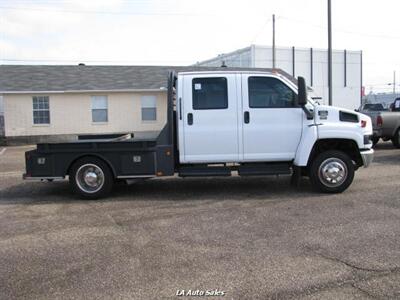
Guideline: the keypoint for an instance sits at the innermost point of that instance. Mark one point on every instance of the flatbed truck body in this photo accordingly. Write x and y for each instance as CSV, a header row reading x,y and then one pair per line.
x,y
218,123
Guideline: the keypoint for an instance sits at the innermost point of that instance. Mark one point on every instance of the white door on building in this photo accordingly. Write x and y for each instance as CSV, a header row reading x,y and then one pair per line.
x,y
272,123
210,118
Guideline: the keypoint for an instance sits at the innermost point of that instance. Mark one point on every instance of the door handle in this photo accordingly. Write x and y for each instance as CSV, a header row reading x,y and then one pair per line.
x,y
190,119
246,117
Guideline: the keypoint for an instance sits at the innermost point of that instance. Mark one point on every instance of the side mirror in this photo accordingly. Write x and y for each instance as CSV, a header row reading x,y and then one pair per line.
x,y
302,91
302,97
357,110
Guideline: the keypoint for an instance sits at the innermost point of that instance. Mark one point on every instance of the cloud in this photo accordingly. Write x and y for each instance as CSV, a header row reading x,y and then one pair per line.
x,y
186,31
29,20
93,4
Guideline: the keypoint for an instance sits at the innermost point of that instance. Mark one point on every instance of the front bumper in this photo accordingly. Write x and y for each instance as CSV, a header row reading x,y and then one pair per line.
x,y
367,157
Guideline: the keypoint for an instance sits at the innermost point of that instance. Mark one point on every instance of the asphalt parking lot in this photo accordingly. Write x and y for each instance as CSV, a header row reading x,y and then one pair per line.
x,y
252,238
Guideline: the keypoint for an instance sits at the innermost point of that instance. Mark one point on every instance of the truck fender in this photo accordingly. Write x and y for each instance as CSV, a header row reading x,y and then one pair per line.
x,y
348,146
308,138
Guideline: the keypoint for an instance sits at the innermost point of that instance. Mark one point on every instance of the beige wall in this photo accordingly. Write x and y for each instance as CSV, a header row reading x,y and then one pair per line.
x,y
70,113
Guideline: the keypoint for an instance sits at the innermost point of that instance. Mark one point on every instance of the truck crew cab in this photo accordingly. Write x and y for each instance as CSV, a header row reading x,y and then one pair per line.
x,y
219,123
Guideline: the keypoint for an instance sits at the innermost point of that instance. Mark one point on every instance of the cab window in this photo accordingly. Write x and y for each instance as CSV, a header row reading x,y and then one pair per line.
x,y
269,92
210,93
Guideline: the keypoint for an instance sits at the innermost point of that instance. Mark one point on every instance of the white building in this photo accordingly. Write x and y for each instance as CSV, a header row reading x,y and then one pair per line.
x,y
310,63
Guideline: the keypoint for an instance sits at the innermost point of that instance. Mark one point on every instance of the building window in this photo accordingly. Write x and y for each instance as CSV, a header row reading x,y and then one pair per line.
x,y
41,111
149,108
99,109
210,93
269,92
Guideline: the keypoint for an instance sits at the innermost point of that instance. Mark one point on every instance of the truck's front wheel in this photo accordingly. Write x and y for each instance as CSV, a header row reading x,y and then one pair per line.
x,y
332,172
91,178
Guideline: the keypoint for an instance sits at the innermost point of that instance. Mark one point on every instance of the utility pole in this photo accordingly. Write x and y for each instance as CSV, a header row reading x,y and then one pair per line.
x,y
273,42
329,52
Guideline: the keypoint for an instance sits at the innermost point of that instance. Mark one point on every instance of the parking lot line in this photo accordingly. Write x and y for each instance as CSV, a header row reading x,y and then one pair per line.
x,y
2,151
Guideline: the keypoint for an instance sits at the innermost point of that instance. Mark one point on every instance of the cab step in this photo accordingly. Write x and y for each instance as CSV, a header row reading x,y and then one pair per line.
x,y
265,169
252,169
199,171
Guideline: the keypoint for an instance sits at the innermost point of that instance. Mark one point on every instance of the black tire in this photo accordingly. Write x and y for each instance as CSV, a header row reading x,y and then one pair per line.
x,y
396,139
340,164
98,185
375,140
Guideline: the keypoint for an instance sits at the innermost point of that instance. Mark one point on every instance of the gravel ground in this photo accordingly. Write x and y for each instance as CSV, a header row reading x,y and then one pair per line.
x,y
251,238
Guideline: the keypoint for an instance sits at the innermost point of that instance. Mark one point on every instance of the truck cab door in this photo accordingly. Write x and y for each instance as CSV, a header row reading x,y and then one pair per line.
x,y
272,121
209,118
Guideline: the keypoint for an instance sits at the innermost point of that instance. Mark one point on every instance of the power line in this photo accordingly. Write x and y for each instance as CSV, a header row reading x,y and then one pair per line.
x,y
227,60
88,61
183,15
70,1
261,28
383,85
341,30
100,12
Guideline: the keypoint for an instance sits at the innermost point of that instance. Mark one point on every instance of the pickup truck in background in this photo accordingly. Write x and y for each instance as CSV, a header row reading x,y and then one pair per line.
x,y
385,122
221,123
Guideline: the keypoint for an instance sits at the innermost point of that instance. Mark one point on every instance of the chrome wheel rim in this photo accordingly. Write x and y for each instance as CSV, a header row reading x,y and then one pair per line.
x,y
90,178
332,172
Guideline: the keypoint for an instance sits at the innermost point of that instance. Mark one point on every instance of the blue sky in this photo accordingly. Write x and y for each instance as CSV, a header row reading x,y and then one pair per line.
x,y
181,32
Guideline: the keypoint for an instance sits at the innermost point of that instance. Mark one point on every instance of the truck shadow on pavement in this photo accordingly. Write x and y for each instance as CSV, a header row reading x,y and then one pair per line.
x,y
168,189
384,146
386,153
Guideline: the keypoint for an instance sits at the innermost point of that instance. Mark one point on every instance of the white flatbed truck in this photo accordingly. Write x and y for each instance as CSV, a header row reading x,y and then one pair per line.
x,y
220,122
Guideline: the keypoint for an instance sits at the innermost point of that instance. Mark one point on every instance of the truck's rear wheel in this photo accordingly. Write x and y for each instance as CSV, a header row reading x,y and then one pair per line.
x,y
396,139
91,178
332,172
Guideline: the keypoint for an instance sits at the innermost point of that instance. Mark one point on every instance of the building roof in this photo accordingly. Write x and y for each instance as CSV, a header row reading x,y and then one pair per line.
x,y
227,57
67,78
